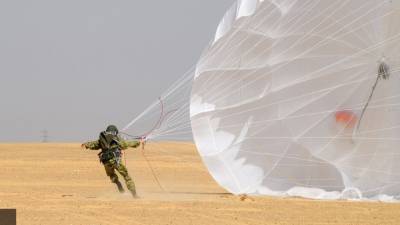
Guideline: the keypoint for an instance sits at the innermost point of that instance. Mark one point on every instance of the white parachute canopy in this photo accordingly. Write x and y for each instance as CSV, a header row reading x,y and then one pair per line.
x,y
301,97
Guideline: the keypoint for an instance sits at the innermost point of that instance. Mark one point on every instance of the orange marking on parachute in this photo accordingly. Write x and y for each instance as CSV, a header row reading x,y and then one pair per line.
x,y
346,117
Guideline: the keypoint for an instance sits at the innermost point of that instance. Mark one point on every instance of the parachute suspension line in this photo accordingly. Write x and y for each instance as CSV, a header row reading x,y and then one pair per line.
x,y
143,139
383,73
144,136
140,116
187,76
149,164
158,124
226,87
131,136
162,118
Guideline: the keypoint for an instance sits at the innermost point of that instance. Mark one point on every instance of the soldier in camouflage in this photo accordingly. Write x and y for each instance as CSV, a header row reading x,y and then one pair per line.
x,y
111,145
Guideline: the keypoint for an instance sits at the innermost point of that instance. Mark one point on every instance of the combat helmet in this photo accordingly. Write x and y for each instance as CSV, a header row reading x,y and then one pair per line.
x,y
112,129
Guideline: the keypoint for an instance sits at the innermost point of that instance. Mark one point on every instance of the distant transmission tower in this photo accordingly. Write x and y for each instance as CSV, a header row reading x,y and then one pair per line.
x,y
45,136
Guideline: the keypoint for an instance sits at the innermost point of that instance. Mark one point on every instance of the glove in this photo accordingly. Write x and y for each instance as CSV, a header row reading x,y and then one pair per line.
x,y
84,146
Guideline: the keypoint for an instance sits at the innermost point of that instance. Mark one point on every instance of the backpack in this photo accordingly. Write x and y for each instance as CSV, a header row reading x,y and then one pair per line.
x,y
108,141
109,144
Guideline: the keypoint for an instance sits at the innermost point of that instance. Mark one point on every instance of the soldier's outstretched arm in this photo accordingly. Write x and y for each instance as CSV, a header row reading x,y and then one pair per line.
x,y
92,145
129,144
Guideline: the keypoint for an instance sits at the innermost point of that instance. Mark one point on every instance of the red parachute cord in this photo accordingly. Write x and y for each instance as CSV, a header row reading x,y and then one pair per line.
x,y
163,116
152,169
148,164
158,124
143,139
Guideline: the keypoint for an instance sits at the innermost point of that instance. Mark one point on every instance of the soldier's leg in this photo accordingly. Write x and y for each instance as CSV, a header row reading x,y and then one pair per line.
x,y
110,171
129,182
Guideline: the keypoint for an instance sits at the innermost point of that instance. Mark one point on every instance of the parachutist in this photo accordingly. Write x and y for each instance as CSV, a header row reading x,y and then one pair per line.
x,y
111,145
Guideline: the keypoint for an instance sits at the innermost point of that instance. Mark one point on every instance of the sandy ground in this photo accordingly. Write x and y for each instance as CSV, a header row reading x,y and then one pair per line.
x,y
63,184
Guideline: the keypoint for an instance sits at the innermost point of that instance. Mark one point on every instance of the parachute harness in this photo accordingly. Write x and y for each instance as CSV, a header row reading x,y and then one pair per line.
x,y
383,72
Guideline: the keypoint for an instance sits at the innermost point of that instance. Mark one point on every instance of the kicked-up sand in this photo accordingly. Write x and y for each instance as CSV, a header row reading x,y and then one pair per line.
x,y
61,184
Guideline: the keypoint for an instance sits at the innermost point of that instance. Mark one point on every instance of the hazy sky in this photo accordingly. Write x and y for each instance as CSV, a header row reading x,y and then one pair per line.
x,y
73,66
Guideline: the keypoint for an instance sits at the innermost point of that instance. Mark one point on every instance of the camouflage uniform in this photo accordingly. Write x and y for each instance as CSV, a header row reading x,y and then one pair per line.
x,y
115,163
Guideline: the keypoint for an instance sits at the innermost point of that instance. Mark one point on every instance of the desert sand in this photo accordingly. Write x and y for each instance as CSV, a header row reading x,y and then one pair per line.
x,y
61,184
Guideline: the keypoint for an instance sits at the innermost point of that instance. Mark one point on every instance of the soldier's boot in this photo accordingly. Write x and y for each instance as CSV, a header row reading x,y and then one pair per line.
x,y
131,187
